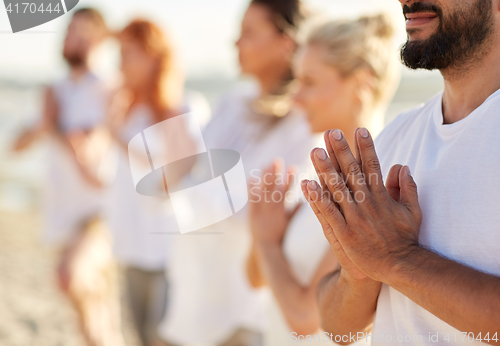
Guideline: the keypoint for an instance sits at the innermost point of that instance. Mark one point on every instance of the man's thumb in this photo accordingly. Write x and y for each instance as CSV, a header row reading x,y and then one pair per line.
x,y
409,192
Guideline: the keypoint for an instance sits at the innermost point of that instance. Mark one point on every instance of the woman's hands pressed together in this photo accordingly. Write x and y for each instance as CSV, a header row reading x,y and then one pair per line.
x,y
269,216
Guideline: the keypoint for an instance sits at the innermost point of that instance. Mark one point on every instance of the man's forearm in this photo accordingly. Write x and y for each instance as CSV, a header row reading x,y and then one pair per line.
x,y
347,306
464,298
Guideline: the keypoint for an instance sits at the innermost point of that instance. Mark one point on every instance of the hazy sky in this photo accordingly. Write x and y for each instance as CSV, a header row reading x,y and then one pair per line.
x,y
203,30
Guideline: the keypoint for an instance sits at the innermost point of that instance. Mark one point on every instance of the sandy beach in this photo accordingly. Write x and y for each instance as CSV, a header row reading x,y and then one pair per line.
x,y
32,310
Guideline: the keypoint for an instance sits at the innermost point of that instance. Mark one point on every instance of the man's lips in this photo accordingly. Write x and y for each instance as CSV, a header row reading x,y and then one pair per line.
x,y
414,20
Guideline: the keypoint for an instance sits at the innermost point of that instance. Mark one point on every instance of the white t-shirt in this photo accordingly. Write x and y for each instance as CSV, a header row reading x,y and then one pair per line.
x,y
82,103
68,198
456,169
210,296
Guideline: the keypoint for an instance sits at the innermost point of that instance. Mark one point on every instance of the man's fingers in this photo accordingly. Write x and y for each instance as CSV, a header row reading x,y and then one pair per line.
x,y
350,168
392,182
335,183
318,201
409,192
321,176
328,230
369,161
331,153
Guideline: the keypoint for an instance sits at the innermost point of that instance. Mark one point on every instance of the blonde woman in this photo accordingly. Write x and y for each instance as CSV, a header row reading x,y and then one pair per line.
x,y
347,76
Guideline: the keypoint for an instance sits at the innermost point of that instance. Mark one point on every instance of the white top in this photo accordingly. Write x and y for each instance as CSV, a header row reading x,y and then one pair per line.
x,y
82,103
68,199
304,247
456,169
142,226
210,296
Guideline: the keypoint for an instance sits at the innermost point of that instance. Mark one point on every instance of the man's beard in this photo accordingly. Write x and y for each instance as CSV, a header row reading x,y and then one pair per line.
x,y
74,59
461,37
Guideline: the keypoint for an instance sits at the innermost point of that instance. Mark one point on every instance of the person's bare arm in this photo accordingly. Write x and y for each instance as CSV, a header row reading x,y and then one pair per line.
x,y
253,271
464,298
267,263
48,123
347,306
379,233
50,111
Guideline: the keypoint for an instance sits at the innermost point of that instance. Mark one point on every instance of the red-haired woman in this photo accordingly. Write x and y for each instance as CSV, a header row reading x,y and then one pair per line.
x,y
152,92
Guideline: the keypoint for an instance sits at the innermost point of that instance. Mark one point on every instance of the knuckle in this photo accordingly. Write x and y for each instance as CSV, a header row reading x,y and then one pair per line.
x,y
343,149
337,185
372,165
413,186
330,210
314,196
352,169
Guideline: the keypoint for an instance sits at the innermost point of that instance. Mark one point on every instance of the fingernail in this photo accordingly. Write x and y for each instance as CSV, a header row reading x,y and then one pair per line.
x,y
321,154
408,170
337,135
363,132
313,186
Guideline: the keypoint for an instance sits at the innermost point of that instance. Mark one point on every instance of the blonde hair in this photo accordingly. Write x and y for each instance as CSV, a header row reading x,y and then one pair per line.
x,y
365,43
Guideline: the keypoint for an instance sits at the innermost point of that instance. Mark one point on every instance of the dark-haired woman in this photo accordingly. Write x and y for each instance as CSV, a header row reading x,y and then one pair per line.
x,y
211,300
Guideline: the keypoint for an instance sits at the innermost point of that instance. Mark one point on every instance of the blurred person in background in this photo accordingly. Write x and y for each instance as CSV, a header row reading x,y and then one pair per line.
x,y
73,108
347,75
152,92
211,300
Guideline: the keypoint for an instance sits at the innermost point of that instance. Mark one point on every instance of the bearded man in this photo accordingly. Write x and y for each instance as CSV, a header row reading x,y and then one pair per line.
x,y
421,267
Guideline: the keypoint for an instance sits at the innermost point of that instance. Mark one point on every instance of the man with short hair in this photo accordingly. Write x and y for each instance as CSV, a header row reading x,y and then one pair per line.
x,y
421,268
73,108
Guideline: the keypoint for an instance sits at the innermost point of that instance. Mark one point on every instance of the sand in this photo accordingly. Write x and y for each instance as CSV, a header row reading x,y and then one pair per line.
x,y
32,310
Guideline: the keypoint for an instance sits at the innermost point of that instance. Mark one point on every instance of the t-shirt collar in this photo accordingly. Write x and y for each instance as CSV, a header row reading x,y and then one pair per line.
x,y
457,127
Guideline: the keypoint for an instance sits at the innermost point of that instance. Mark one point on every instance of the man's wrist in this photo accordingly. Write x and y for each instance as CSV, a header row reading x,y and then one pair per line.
x,y
403,265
